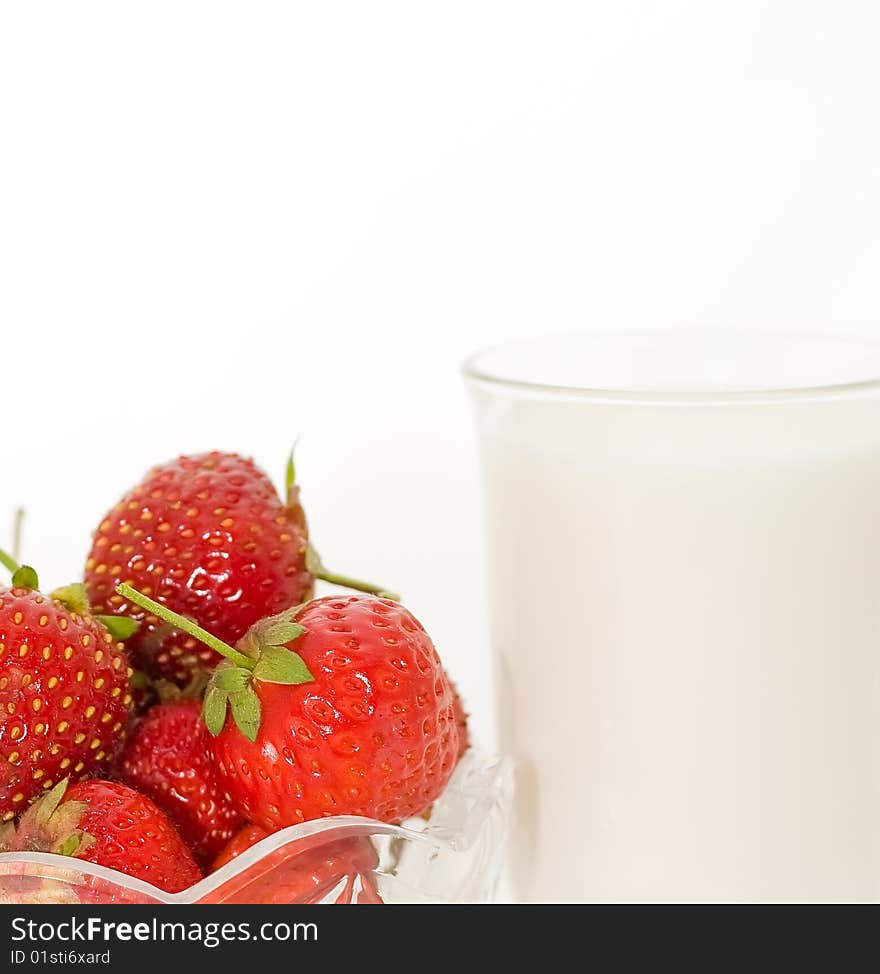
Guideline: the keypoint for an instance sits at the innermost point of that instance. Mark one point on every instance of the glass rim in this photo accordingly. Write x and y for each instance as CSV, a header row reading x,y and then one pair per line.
x,y
475,372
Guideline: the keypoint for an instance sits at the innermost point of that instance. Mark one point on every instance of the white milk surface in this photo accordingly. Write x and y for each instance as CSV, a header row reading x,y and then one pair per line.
x,y
686,615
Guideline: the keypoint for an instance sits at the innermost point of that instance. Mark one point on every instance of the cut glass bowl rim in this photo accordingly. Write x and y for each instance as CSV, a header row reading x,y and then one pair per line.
x,y
496,772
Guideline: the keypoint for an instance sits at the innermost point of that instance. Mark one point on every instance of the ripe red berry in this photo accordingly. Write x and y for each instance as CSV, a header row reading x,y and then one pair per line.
x,y
64,696
372,733
246,837
166,758
108,824
338,707
209,537
300,872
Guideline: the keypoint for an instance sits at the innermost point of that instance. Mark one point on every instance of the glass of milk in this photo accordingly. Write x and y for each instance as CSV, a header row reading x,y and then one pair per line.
x,y
684,577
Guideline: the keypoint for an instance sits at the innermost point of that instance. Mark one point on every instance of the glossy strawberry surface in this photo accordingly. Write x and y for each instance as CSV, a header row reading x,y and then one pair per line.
x,y
249,835
209,537
373,734
108,824
64,696
133,835
166,757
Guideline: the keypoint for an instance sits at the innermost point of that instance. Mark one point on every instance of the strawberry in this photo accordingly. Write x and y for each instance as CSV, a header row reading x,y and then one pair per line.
x,y
108,824
64,692
209,537
166,757
337,707
299,872
246,837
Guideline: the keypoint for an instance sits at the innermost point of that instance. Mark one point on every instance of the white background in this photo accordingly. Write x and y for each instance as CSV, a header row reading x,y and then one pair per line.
x,y
229,224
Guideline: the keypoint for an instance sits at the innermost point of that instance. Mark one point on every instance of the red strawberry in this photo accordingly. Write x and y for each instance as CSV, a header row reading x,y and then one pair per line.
x,y
166,758
110,825
64,693
358,720
299,872
239,843
209,537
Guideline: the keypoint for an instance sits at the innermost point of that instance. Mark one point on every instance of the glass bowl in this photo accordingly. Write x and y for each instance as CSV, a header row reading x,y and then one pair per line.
x,y
451,855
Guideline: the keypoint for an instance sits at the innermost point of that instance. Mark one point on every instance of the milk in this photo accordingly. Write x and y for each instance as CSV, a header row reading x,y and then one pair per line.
x,y
685,606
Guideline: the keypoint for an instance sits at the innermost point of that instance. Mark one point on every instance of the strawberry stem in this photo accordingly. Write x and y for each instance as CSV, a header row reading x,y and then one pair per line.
x,y
313,559
317,568
356,583
184,625
17,525
8,562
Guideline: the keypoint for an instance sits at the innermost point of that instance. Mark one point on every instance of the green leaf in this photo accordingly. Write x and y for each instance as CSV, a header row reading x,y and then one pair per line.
x,y
246,712
291,488
280,665
119,627
249,645
75,844
69,846
272,631
231,679
86,841
214,709
73,596
290,471
67,817
47,807
279,633
25,577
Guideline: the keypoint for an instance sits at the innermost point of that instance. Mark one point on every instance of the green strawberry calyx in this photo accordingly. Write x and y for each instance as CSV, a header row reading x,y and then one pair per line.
x,y
23,576
261,655
119,627
49,825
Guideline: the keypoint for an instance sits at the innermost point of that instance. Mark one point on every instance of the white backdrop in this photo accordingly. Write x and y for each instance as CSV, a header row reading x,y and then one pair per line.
x,y
227,224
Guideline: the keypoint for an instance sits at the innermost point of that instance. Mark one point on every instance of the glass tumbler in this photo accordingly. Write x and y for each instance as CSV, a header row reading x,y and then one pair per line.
x,y
684,583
